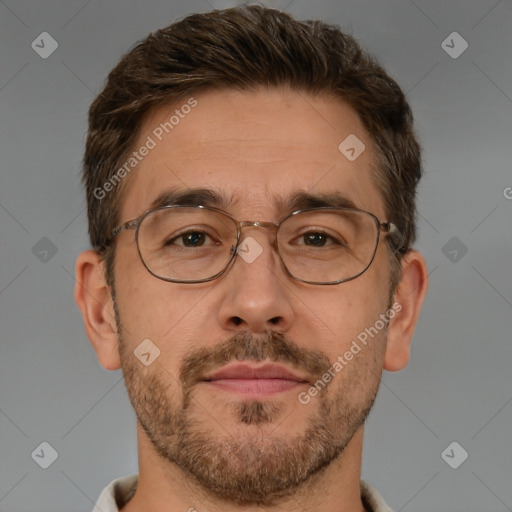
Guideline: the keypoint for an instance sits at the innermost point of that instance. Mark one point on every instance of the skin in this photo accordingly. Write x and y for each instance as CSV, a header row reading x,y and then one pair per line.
x,y
252,146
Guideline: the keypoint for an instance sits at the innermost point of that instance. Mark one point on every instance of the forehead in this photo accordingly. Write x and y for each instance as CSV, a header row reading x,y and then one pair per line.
x,y
256,150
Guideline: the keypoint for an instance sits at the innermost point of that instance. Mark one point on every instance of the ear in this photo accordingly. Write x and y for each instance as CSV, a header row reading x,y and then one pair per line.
x,y
408,300
93,297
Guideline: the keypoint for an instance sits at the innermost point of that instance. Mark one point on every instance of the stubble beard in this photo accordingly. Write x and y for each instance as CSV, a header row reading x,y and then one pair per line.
x,y
259,464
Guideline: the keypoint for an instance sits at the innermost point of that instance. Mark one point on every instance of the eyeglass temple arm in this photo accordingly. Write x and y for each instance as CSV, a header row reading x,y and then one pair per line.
x,y
395,235
131,224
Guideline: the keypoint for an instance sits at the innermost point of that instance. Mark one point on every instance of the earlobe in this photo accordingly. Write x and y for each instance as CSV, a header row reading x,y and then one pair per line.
x,y
93,297
408,298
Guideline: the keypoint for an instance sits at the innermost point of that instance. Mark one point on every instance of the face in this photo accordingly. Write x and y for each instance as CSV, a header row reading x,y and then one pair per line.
x,y
231,398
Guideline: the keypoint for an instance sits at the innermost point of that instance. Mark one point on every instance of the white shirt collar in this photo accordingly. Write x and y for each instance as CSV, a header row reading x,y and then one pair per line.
x,y
120,491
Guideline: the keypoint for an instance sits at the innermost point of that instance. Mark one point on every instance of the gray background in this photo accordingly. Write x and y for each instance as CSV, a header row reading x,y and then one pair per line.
x,y
458,384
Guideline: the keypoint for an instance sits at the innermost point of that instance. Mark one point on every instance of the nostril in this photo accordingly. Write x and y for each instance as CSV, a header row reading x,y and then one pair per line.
x,y
237,320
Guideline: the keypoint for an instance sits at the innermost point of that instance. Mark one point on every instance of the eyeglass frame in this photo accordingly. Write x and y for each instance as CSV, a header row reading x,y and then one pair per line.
x,y
389,228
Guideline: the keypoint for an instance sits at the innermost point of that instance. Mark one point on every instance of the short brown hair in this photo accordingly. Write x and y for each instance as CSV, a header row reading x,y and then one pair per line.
x,y
245,48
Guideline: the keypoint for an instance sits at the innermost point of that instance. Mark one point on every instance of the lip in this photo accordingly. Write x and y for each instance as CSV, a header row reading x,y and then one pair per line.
x,y
254,381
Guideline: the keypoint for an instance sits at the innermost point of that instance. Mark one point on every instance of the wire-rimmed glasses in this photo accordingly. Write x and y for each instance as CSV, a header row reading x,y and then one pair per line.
x,y
195,244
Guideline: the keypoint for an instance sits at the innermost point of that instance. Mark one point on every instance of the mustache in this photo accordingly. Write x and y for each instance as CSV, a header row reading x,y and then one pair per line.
x,y
245,346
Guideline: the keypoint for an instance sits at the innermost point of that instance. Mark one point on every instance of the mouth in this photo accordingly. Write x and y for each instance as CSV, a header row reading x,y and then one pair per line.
x,y
253,381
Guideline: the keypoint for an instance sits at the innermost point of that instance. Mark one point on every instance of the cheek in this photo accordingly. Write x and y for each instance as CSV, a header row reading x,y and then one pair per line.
x,y
347,311
144,302
169,314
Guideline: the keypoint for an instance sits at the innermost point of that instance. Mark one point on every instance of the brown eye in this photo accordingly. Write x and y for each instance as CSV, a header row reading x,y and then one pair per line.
x,y
188,239
315,239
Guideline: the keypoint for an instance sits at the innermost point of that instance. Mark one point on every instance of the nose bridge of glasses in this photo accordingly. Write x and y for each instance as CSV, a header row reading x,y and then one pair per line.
x,y
259,224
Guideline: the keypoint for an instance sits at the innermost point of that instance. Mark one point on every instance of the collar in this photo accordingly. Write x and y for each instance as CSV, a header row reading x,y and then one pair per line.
x,y
120,491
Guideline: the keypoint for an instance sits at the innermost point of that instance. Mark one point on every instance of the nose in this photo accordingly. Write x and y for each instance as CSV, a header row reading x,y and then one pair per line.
x,y
256,291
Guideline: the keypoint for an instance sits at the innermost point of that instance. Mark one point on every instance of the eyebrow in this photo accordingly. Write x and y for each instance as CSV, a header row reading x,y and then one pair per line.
x,y
191,197
303,200
299,200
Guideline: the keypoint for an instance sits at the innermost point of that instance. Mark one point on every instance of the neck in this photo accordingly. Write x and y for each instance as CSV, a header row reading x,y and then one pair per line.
x,y
164,487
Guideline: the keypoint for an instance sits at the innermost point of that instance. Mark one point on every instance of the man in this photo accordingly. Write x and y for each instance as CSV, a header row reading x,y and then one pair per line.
x,y
250,183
